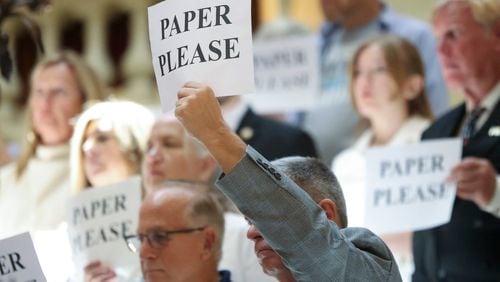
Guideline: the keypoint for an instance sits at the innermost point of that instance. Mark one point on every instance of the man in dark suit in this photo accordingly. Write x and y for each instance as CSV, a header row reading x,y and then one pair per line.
x,y
273,139
468,247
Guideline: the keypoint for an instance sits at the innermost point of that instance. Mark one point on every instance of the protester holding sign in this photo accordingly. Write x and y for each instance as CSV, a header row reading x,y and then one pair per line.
x,y
34,190
468,248
173,154
303,232
387,90
107,148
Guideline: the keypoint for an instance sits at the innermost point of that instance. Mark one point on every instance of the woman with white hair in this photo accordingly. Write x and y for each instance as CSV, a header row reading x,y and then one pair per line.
x,y
107,147
108,144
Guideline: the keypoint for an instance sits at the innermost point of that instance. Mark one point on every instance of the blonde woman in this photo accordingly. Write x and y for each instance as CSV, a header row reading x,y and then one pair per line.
x,y
387,90
107,147
108,144
33,190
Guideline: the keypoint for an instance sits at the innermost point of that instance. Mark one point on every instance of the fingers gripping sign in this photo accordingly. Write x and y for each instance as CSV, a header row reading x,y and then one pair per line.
x,y
199,111
475,179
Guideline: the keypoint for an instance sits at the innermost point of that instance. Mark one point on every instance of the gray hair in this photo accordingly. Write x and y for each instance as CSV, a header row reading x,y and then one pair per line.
x,y
485,12
316,179
205,209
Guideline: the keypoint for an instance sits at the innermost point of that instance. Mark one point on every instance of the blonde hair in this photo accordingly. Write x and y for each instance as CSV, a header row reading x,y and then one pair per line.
x,y
88,84
130,124
485,12
403,60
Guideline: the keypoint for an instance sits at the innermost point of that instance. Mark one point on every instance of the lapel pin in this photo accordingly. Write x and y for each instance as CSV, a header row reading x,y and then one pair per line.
x,y
246,133
494,131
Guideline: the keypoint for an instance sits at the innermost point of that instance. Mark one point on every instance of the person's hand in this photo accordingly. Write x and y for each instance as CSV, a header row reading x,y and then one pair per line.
x,y
95,271
475,179
199,112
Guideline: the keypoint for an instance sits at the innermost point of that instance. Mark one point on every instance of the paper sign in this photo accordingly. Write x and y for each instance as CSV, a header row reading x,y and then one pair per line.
x,y
286,74
98,219
18,260
406,188
205,41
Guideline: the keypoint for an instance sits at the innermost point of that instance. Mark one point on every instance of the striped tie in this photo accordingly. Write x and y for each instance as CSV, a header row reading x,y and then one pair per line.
x,y
470,124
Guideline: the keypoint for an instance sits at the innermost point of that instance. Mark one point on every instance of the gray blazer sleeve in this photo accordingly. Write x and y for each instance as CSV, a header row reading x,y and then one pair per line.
x,y
311,246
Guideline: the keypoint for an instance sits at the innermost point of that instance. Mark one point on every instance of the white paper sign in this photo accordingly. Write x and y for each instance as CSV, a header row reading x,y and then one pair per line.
x,y
286,74
205,41
406,188
18,260
98,219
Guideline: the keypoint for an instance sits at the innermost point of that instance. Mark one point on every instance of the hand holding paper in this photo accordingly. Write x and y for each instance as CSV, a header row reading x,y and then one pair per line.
x,y
98,272
198,110
475,179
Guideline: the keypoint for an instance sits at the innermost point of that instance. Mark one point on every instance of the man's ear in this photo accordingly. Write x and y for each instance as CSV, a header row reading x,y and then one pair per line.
x,y
209,243
208,165
330,209
413,86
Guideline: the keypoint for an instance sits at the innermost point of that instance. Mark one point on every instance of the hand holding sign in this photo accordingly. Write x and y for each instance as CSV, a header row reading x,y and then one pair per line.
x,y
475,179
96,271
199,112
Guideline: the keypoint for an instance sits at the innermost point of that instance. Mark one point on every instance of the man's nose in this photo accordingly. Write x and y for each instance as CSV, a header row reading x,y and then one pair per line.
x,y
146,251
253,233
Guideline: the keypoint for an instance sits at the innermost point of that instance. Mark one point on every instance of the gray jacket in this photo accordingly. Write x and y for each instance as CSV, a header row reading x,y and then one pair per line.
x,y
312,247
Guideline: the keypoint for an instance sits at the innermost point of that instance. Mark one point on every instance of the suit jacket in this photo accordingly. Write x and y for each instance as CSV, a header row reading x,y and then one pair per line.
x,y
468,247
274,139
312,247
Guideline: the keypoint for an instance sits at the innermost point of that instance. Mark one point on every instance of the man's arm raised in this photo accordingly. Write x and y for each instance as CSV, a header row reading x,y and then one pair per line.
x,y
199,111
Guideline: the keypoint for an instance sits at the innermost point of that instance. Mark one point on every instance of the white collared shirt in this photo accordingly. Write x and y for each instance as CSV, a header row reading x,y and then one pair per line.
x,y
488,104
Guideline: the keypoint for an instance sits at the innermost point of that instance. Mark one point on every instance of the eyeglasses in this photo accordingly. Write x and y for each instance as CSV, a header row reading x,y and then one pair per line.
x,y
156,239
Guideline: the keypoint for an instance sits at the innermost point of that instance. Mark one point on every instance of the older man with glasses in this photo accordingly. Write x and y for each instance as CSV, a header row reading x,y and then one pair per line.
x,y
179,235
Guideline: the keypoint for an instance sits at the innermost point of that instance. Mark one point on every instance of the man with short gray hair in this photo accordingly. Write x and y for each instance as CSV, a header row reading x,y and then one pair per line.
x,y
306,233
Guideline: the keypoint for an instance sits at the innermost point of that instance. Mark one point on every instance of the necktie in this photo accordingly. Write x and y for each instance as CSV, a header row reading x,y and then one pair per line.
x,y
470,124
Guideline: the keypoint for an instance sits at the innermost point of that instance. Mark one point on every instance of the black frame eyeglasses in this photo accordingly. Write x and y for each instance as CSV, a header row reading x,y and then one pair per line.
x,y
156,239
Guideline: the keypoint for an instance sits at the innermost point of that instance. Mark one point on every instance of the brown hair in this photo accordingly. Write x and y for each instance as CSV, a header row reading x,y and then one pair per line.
x,y
403,61
88,84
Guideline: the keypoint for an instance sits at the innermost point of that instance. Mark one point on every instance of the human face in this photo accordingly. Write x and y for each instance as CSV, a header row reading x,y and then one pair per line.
x,y
183,256
466,50
103,159
375,89
54,100
336,10
268,259
171,155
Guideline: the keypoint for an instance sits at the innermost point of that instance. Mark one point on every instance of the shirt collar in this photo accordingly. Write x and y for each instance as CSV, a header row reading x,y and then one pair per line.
x,y
489,102
234,114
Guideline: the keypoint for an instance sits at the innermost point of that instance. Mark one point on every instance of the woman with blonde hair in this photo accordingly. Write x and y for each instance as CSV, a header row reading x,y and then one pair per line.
x,y
387,90
109,143
107,147
33,190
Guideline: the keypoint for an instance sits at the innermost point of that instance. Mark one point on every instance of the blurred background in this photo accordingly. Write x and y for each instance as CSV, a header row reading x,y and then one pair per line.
x,y
112,36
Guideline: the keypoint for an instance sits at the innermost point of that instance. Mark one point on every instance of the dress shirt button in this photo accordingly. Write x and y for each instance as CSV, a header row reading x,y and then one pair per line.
x,y
441,274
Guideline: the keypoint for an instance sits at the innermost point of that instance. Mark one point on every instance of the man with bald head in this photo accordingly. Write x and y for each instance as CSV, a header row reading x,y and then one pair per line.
x,y
179,235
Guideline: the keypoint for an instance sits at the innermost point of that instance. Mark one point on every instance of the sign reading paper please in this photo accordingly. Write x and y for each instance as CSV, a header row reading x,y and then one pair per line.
x,y
18,260
98,219
406,188
286,74
206,41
